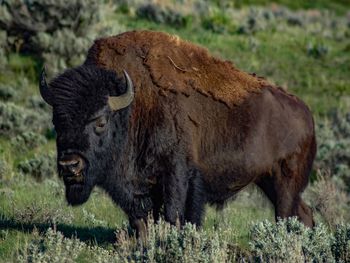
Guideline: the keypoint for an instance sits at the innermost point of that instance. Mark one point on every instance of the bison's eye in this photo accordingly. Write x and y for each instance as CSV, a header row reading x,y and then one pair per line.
x,y
100,124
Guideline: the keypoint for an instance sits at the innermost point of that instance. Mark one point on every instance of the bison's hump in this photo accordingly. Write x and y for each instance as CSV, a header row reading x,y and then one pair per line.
x,y
175,65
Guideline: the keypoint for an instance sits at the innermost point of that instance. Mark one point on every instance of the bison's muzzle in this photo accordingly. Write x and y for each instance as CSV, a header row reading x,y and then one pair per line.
x,y
71,167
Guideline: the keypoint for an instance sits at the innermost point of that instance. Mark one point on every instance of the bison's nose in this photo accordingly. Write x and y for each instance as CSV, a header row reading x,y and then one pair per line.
x,y
71,165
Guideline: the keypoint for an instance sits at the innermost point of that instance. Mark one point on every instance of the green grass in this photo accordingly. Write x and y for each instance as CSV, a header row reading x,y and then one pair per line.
x,y
339,6
250,206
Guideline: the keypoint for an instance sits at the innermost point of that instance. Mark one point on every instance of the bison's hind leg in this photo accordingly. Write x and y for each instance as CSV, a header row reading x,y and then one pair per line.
x,y
286,183
304,213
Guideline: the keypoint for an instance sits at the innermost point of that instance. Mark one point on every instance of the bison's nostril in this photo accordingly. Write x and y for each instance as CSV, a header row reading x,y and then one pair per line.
x,y
71,164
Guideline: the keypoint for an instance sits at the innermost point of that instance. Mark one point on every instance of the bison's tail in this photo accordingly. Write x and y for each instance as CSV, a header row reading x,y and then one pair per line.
x,y
310,156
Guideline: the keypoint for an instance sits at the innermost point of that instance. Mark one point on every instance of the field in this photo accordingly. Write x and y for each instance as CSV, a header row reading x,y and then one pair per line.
x,y
302,46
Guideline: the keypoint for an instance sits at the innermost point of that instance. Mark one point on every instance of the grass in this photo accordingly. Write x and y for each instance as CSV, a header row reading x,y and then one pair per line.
x,y
339,6
249,206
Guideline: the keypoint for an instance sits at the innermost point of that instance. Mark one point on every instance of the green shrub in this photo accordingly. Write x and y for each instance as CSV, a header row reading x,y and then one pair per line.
x,y
37,103
90,218
25,19
40,167
59,32
255,21
53,247
331,201
7,92
27,141
41,212
217,21
63,49
166,243
4,168
333,139
317,50
3,45
290,241
163,15
15,120
341,244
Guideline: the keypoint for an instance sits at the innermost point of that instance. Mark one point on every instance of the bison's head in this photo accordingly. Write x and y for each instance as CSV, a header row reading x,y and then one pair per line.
x,y
90,118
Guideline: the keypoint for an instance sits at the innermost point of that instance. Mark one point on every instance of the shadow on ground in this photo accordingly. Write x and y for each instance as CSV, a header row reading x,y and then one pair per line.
x,y
99,235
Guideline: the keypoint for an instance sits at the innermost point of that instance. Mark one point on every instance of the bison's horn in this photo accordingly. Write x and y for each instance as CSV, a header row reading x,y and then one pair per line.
x,y
122,101
44,89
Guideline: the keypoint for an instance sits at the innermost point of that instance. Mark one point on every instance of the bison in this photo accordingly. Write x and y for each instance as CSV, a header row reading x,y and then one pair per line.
x,y
165,128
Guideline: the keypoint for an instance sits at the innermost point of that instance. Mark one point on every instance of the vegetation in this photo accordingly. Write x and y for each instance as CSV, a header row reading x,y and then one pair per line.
x,y
302,46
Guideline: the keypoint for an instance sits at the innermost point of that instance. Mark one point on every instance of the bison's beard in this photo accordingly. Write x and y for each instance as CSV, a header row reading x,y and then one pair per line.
x,y
77,194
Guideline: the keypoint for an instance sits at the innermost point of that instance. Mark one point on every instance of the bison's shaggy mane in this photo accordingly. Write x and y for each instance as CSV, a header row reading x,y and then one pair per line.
x,y
80,92
174,65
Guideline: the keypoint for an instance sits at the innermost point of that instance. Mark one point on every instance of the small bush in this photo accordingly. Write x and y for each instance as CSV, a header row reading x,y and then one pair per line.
x,y
333,155
63,49
91,219
37,103
317,50
290,241
41,214
53,247
163,15
15,120
59,32
329,200
254,21
7,92
40,167
166,243
27,141
23,20
341,244
4,168
3,44
218,22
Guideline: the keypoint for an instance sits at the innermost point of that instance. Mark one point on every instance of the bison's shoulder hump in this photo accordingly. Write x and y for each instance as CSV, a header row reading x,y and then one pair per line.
x,y
174,64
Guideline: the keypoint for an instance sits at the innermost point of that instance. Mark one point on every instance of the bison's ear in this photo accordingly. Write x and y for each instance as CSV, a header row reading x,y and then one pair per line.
x,y
44,89
122,101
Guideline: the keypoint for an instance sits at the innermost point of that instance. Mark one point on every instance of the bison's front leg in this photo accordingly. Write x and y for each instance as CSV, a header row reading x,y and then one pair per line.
x,y
195,200
141,228
175,193
138,213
